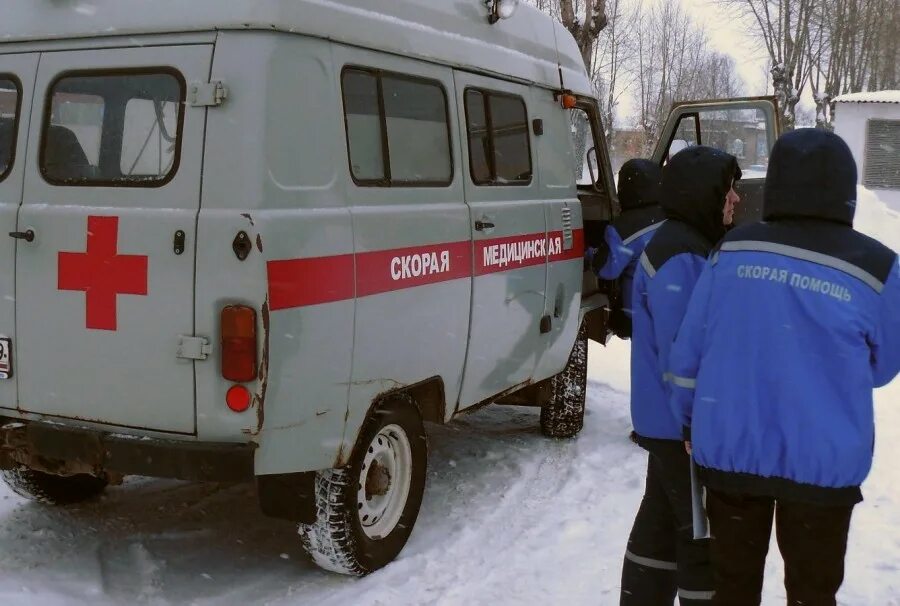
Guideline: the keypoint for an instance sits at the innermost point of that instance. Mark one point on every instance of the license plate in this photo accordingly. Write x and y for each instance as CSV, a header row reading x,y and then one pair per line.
x,y
5,358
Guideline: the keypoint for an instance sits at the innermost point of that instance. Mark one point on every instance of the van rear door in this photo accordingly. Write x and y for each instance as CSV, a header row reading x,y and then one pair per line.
x,y
112,191
16,85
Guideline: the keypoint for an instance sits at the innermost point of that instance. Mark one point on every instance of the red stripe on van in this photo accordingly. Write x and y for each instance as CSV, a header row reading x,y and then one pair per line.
x,y
302,282
516,252
387,270
577,250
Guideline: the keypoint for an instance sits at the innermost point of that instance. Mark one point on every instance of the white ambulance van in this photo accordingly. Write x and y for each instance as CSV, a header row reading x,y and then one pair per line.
x,y
265,241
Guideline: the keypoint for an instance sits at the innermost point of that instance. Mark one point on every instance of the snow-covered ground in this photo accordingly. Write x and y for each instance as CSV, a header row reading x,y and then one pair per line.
x,y
509,518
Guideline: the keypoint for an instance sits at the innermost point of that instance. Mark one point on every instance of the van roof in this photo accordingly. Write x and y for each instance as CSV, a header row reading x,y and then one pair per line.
x,y
530,46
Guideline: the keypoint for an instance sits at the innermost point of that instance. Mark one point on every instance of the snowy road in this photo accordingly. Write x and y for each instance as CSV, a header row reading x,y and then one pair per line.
x,y
508,518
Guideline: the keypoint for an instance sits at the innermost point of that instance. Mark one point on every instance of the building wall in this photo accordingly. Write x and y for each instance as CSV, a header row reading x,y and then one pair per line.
x,y
850,123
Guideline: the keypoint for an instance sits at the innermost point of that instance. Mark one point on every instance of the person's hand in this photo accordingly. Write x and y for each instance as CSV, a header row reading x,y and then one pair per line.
x,y
688,448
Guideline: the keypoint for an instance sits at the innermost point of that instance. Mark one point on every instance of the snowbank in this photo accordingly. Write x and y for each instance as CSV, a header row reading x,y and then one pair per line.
x,y
876,219
873,558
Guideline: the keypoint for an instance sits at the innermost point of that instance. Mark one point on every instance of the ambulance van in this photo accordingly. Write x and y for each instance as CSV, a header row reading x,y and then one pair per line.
x,y
267,241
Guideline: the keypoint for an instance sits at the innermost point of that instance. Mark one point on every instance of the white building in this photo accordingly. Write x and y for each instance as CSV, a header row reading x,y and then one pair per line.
x,y
870,124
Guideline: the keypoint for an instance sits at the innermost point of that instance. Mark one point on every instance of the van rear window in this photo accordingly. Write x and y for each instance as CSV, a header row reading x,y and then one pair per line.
x,y
499,146
113,129
398,131
9,114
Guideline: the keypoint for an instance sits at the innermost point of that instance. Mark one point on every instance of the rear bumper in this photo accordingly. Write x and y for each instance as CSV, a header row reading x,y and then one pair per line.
x,y
68,450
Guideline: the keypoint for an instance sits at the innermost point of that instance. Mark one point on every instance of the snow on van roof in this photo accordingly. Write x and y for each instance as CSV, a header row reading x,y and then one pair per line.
x,y
530,46
882,96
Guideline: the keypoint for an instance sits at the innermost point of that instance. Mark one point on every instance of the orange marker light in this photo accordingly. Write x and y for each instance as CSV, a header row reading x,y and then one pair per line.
x,y
569,101
239,343
238,398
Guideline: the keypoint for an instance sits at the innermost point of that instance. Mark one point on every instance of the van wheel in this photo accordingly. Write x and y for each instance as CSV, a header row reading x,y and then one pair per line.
x,y
365,511
53,490
563,415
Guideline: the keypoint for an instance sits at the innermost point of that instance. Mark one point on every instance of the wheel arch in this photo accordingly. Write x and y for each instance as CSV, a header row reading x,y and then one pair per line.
x,y
428,397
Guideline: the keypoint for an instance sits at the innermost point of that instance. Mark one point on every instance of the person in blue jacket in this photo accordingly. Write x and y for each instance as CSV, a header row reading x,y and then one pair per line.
x,y
662,559
640,189
792,324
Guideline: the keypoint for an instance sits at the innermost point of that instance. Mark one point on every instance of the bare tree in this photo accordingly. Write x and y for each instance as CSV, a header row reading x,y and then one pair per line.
x,y
886,58
611,53
783,27
586,29
717,78
671,55
584,19
653,50
853,46
827,49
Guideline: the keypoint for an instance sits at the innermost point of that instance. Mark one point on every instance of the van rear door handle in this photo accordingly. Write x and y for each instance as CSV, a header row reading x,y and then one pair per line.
x,y
28,236
483,225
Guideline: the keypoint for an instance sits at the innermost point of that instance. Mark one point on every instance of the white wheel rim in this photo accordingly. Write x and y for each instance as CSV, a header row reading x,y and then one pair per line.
x,y
384,482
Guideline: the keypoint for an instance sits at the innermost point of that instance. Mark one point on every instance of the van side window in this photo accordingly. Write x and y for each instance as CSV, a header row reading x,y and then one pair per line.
x,y
113,129
499,145
398,130
9,113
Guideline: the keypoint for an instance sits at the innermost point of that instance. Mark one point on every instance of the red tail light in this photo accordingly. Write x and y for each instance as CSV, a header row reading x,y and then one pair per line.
x,y
239,343
238,398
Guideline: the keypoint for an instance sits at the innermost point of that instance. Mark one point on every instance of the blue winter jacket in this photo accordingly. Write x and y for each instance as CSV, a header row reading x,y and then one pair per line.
x,y
640,188
695,182
792,324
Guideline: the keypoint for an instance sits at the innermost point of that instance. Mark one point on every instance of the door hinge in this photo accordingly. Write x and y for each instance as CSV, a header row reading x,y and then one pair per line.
x,y
207,94
193,348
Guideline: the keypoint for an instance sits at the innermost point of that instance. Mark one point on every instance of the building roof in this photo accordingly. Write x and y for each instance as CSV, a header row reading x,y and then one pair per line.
x,y
530,46
882,96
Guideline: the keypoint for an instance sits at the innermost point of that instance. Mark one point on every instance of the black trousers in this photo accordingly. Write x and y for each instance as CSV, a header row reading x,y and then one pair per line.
x,y
663,560
812,540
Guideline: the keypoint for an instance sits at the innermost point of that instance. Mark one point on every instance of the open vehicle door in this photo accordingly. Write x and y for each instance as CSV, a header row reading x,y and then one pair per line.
x,y
745,128
599,203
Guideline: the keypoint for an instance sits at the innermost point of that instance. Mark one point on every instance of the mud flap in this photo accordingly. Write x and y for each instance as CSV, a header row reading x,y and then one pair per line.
x,y
595,314
288,496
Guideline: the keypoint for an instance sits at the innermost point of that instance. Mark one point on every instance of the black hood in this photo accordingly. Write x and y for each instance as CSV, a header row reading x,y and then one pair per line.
x,y
640,184
695,182
811,174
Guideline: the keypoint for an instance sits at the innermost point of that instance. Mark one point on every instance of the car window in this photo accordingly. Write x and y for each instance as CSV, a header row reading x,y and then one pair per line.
x,y
498,135
113,129
398,129
9,112
743,133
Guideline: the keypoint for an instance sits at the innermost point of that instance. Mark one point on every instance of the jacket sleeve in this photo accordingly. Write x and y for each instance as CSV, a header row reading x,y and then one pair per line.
x,y
885,343
668,294
684,359
618,256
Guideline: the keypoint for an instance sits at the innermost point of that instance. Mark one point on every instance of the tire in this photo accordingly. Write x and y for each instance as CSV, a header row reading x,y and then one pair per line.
x,y
53,490
365,511
563,415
